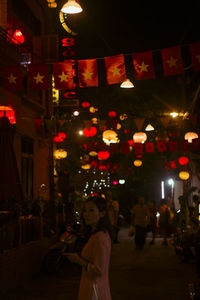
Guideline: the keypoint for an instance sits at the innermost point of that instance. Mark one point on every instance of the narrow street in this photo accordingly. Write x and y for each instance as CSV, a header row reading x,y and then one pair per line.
x,y
155,273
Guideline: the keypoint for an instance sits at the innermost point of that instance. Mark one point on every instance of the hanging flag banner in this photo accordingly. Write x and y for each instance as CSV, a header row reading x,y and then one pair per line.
x,y
63,75
115,69
143,65
172,61
195,55
38,76
12,78
87,73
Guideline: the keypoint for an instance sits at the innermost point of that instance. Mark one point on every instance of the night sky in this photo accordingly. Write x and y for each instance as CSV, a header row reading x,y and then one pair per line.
x,y
107,28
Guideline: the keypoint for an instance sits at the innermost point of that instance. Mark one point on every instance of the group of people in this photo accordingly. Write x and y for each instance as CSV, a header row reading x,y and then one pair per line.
x,y
100,225
144,219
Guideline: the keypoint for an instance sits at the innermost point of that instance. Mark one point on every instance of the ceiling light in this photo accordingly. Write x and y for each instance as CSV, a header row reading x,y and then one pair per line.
x,y
71,7
149,128
127,84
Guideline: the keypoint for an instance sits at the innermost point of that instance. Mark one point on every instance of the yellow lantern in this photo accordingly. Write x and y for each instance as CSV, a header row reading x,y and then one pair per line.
x,y
137,163
95,120
139,137
93,109
92,153
189,136
184,175
86,167
110,136
118,126
60,154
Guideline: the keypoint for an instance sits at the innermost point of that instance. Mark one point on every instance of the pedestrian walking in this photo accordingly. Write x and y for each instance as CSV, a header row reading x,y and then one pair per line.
x,y
164,222
113,212
140,220
152,220
95,256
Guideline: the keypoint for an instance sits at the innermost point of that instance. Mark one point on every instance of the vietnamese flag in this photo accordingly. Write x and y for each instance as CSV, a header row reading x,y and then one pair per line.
x,y
143,65
172,61
12,78
87,73
115,69
195,55
161,146
149,147
173,146
63,75
38,76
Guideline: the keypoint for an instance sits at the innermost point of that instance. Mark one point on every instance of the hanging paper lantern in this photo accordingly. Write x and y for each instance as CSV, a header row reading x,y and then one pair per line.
x,y
57,139
93,109
94,163
112,114
103,155
102,168
184,175
92,153
86,167
95,120
110,136
85,104
118,126
60,154
62,135
139,137
123,117
8,112
18,37
183,160
115,182
137,163
189,136
89,132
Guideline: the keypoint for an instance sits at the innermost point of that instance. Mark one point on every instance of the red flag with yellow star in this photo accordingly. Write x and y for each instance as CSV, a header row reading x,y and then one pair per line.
x,y
195,55
172,61
87,73
143,65
115,69
38,77
12,78
63,75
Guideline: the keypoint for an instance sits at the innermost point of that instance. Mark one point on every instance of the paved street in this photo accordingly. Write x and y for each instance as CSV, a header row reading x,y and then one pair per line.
x,y
155,273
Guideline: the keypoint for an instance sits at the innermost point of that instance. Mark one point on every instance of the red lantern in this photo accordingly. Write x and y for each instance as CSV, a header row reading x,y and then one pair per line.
x,y
112,114
115,182
94,163
18,37
183,160
85,104
89,132
57,139
102,168
62,135
103,155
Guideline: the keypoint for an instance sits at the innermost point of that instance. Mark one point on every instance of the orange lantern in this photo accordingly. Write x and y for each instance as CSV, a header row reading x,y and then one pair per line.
x,y
110,136
189,136
137,163
184,175
139,137
86,167
60,154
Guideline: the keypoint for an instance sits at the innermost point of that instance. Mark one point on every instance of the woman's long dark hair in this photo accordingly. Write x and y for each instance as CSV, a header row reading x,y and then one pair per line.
x,y
104,222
